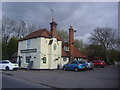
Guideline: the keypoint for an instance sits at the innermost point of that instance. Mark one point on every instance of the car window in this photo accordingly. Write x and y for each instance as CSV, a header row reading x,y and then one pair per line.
x,y
96,61
74,62
4,62
82,62
90,61
0,62
103,61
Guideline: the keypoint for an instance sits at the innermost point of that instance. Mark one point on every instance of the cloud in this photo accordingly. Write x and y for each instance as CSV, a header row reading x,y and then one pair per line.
x,y
84,38
84,16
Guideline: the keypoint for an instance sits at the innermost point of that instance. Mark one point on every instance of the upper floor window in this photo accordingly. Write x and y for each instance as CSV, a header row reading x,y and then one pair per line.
x,y
28,43
66,48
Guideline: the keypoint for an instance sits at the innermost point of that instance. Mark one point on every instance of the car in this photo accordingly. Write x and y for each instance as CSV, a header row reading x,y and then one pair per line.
x,y
99,63
75,65
7,65
90,65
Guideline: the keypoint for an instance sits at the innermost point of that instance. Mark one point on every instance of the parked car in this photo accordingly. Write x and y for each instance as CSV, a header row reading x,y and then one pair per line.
x,y
75,65
7,65
90,65
99,63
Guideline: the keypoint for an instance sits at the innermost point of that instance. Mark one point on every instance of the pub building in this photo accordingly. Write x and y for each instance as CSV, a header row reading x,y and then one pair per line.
x,y
45,50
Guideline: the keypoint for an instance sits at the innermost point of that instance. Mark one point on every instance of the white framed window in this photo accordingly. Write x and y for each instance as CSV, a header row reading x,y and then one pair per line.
x,y
66,48
28,59
28,43
64,58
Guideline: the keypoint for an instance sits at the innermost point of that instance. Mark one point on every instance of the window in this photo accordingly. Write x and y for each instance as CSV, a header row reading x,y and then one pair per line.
x,y
44,59
5,62
66,48
28,59
74,62
55,46
82,62
0,62
97,61
64,59
28,43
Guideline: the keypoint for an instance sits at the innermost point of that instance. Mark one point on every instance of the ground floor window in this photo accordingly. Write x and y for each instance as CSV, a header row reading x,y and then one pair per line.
x,y
64,59
28,59
44,59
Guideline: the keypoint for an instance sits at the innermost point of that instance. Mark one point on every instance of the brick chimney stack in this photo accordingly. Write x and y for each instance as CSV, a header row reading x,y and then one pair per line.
x,y
53,26
71,42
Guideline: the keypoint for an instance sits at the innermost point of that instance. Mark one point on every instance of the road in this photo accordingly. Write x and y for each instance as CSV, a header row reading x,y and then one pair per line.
x,y
11,82
98,78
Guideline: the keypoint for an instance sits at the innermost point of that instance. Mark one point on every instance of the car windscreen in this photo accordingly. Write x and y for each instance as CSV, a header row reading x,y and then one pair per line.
x,y
82,62
97,61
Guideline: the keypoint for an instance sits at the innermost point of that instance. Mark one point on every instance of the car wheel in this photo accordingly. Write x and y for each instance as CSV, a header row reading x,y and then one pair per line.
x,y
7,68
102,66
76,69
91,68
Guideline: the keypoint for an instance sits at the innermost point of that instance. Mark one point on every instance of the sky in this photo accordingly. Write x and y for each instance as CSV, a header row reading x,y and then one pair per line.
x,y
83,16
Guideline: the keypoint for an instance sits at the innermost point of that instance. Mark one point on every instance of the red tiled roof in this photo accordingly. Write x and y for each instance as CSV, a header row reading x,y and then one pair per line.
x,y
39,33
58,38
77,53
46,33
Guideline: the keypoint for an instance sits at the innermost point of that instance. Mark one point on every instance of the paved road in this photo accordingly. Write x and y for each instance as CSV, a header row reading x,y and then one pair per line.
x,y
11,82
98,78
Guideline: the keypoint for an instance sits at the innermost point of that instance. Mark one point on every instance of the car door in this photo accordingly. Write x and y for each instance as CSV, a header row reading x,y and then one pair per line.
x,y
72,65
4,64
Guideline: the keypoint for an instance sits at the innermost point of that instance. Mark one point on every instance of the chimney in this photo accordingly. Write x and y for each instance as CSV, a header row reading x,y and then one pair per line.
x,y
71,43
53,26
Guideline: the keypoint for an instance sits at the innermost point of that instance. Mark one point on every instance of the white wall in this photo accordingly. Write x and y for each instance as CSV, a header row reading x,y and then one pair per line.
x,y
35,44
43,50
51,54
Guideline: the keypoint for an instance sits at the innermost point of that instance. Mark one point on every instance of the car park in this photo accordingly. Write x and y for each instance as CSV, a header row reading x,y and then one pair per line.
x,y
7,65
75,65
99,63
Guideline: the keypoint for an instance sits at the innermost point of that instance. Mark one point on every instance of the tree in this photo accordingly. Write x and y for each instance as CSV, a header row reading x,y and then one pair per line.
x,y
62,34
114,55
95,51
104,37
12,47
11,28
8,28
4,50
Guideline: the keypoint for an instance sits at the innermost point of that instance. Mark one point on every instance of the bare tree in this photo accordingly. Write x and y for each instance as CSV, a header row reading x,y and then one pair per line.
x,y
105,37
11,28
8,28
31,28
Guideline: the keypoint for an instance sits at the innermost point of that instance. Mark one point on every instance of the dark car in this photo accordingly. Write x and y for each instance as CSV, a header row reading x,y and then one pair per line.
x,y
75,65
99,63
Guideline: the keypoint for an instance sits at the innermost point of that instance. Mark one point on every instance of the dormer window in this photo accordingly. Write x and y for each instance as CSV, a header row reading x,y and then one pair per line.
x,y
66,48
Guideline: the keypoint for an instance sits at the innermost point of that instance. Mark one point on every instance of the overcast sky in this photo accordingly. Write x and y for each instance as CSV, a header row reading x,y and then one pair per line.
x,y
84,16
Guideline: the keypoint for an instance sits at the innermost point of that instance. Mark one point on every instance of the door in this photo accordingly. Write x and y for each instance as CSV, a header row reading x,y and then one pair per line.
x,y
72,65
